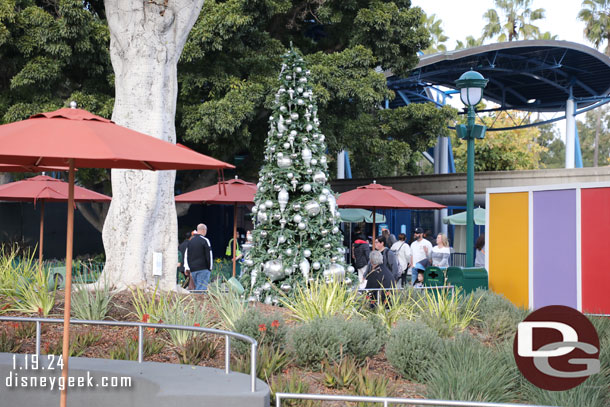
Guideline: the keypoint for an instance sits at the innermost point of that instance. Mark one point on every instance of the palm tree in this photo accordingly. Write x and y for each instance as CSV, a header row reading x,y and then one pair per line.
x,y
518,21
546,36
596,15
469,42
436,33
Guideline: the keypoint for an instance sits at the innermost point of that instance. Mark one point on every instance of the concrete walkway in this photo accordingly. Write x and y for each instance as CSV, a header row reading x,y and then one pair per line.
x,y
119,383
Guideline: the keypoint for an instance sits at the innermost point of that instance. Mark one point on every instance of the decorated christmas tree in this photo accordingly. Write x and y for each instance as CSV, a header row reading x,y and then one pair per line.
x,y
296,234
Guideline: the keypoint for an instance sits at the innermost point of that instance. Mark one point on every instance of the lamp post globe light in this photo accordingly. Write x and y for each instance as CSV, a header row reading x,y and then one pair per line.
x,y
471,85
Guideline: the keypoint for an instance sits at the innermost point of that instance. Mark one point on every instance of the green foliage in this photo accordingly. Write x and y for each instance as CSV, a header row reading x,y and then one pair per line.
x,y
502,150
331,339
597,122
27,287
266,329
292,383
401,306
320,300
184,311
411,349
269,362
341,374
231,60
372,385
129,349
516,23
554,153
448,311
25,330
92,304
196,349
465,369
149,308
497,316
438,38
229,305
597,19
8,340
79,342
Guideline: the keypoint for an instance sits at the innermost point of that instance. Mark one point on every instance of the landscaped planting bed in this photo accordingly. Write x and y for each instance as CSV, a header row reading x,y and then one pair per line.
x,y
326,340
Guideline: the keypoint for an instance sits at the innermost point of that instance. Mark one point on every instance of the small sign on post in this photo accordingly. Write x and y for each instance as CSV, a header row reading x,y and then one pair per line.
x,y
157,264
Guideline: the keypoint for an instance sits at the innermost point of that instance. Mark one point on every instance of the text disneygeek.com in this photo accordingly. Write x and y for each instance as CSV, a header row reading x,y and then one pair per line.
x,y
16,380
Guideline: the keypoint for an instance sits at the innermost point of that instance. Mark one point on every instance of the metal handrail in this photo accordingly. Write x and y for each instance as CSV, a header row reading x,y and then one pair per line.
x,y
142,325
387,400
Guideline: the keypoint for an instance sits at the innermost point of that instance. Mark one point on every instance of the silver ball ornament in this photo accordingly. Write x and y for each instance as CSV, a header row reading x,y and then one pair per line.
x,y
297,218
290,175
307,188
306,252
350,269
322,198
301,226
316,265
335,230
286,146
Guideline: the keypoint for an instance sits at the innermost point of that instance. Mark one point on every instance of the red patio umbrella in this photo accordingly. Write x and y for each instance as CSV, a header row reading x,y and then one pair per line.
x,y
27,168
45,189
235,191
77,138
379,196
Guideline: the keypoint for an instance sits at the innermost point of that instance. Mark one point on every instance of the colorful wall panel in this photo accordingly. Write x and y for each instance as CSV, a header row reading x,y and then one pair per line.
x,y
508,213
595,249
551,245
554,243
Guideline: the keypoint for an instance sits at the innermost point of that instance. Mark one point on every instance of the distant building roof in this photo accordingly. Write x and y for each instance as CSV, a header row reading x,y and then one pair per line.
x,y
523,75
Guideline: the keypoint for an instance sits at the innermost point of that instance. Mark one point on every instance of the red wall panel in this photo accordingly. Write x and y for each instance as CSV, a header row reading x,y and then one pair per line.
x,y
595,250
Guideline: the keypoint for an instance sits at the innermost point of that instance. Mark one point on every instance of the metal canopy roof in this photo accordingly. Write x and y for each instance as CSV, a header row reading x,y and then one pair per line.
x,y
535,76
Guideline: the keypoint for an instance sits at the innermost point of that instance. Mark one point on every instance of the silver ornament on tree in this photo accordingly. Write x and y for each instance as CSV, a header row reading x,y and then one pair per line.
x,y
307,188
304,267
306,155
332,204
301,226
294,183
312,208
285,287
319,177
283,198
273,270
335,272
297,218
316,265
284,162
306,252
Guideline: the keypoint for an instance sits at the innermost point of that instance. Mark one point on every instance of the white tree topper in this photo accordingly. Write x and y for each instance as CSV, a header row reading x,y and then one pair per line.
x,y
146,40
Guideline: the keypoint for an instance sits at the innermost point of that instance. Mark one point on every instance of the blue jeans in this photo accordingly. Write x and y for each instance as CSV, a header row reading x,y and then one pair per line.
x,y
201,278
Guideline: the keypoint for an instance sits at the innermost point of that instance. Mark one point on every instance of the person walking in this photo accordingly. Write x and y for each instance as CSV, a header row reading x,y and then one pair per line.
x,y
199,258
441,252
403,253
420,250
389,237
361,252
389,258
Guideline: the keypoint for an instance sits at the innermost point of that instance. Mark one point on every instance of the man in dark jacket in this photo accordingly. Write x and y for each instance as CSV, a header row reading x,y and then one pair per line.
x,y
199,258
361,253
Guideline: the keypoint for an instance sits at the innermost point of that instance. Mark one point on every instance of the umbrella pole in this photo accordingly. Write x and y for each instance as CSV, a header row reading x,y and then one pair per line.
x,y
68,287
234,234
374,226
40,239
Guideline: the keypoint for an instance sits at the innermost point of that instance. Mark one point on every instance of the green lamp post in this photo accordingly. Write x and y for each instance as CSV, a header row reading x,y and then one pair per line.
x,y
471,86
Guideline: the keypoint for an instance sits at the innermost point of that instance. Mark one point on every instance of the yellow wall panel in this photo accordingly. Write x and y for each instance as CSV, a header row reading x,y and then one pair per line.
x,y
508,246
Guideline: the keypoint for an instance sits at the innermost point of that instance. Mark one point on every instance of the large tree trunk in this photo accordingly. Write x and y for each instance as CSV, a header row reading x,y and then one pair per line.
x,y
146,40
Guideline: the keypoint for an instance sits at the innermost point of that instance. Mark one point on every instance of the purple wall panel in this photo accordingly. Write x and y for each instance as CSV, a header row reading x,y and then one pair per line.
x,y
554,235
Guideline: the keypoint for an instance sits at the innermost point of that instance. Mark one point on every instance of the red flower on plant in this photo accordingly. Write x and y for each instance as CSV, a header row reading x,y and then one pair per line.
x,y
145,318
39,311
6,306
262,327
275,324
196,324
